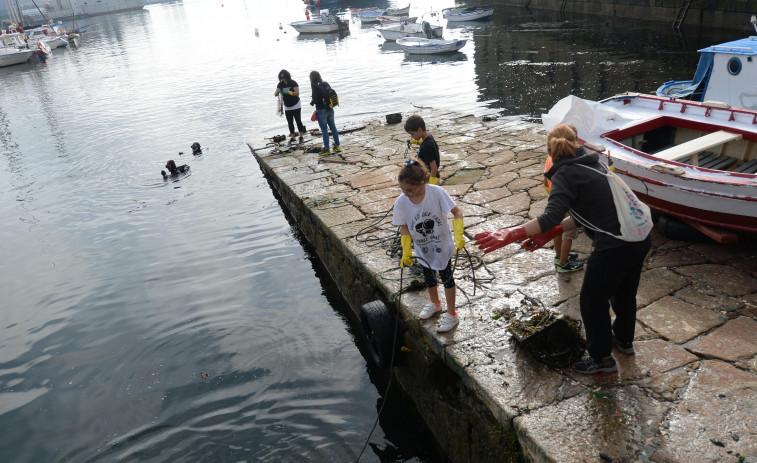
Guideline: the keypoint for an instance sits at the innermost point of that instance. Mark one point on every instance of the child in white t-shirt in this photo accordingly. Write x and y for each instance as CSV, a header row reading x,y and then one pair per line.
x,y
421,213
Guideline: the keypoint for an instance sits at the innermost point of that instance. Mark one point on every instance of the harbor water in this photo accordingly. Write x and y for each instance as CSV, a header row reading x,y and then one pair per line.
x,y
187,320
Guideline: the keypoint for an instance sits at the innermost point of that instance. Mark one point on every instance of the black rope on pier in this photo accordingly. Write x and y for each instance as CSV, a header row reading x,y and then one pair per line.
x,y
388,236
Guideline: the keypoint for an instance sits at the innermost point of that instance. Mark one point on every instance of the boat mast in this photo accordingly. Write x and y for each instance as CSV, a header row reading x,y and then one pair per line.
x,y
40,12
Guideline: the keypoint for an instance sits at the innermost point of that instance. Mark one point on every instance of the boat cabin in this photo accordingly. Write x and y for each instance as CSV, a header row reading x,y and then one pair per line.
x,y
676,140
726,73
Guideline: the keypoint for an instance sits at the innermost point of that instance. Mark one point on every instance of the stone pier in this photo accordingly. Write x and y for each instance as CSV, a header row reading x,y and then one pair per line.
x,y
688,395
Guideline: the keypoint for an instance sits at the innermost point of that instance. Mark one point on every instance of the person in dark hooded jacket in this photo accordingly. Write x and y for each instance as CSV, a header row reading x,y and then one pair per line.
x,y
613,269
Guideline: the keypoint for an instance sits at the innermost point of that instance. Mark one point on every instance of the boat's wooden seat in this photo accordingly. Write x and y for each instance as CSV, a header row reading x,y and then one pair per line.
x,y
693,147
749,167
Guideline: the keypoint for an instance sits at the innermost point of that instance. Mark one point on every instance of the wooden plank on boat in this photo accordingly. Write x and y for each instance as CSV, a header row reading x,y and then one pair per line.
x,y
692,147
718,234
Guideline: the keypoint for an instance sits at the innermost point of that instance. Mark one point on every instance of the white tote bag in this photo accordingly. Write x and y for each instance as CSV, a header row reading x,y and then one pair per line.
x,y
634,216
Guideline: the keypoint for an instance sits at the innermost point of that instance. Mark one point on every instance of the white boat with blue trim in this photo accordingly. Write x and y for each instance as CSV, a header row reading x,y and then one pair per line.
x,y
725,73
424,46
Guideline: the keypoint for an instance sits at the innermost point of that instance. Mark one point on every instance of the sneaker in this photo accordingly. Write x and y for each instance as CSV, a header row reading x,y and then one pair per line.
x,y
448,322
337,148
302,140
591,365
292,140
623,347
325,152
571,256
571,266
429,310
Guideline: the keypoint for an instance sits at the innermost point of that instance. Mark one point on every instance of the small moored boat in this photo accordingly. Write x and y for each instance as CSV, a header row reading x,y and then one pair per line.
x,y
326,23
13,49
424,46
393,32
375,15
690,160
467,14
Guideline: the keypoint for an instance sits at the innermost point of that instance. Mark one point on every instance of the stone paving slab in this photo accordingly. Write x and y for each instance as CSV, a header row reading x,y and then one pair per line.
x,y
688,395
677,320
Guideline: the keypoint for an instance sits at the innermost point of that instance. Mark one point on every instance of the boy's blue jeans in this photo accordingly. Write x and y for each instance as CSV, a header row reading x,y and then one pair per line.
x,y
326,121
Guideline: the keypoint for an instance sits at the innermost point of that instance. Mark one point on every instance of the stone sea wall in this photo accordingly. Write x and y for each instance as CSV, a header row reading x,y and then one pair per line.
x,y
718,13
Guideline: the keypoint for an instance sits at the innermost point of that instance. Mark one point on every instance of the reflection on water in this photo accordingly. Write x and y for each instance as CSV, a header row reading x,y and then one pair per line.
x,y
187,321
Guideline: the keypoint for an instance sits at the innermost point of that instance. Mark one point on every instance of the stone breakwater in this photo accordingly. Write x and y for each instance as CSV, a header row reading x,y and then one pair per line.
x,y
688,395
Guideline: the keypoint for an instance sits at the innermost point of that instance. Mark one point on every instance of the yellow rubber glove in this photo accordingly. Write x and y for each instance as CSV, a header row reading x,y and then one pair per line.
x,y
414,141
433,180
457,228
407,250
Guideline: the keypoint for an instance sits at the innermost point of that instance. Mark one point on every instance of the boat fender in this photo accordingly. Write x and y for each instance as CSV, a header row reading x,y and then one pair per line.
x,y
377,322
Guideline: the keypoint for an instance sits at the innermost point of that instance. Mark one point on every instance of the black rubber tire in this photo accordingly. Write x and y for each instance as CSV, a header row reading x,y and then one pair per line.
x,y
674,229
378,328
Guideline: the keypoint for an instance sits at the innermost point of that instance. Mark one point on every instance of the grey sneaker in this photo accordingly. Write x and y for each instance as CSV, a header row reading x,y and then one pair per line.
x,y
623,347
448,322
591,365
429,310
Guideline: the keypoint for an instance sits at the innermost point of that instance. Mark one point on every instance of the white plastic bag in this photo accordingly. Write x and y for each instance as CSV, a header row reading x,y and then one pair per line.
x,y
280,107
634,216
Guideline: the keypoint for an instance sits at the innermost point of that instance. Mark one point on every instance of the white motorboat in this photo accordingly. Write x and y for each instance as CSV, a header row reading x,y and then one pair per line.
x,y
424,46
726,73
326,23
13,50
690,160
393,32
467,14
51,35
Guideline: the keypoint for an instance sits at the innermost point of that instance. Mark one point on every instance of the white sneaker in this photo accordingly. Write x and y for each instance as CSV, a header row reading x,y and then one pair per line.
x,y
448,322
429,310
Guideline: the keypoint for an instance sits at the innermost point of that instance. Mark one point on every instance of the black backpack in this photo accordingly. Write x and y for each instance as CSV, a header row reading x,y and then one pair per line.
x,y
330,98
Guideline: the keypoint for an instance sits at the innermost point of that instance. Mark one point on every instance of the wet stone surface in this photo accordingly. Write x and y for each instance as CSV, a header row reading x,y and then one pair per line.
x,y
687,395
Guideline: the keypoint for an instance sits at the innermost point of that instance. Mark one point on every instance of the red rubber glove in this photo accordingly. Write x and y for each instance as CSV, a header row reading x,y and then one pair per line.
x,y
489,241
540,239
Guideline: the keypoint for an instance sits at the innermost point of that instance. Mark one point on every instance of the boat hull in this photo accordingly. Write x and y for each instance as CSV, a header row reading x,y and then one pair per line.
x,y
396,31
420,46
11,57
456,15
669,184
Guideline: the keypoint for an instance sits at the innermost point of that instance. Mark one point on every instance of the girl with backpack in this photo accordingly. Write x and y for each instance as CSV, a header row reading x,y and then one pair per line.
x,y
613,269
324,113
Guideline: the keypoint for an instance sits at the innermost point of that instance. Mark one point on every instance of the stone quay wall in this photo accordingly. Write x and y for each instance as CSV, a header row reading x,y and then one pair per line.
x,y
718,13
687,395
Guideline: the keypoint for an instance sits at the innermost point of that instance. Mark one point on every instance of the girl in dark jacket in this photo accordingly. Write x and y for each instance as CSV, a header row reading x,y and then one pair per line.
x,y
290,93
614,267
324,113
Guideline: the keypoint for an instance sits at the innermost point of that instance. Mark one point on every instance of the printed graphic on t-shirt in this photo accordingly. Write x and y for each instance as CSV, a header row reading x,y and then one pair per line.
x,y
427,225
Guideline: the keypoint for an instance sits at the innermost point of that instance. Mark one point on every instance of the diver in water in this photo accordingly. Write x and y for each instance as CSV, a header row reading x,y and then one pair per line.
x,y
174,170
196,148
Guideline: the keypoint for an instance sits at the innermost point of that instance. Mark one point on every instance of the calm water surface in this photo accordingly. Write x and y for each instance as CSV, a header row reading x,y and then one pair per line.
x,y
146,320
